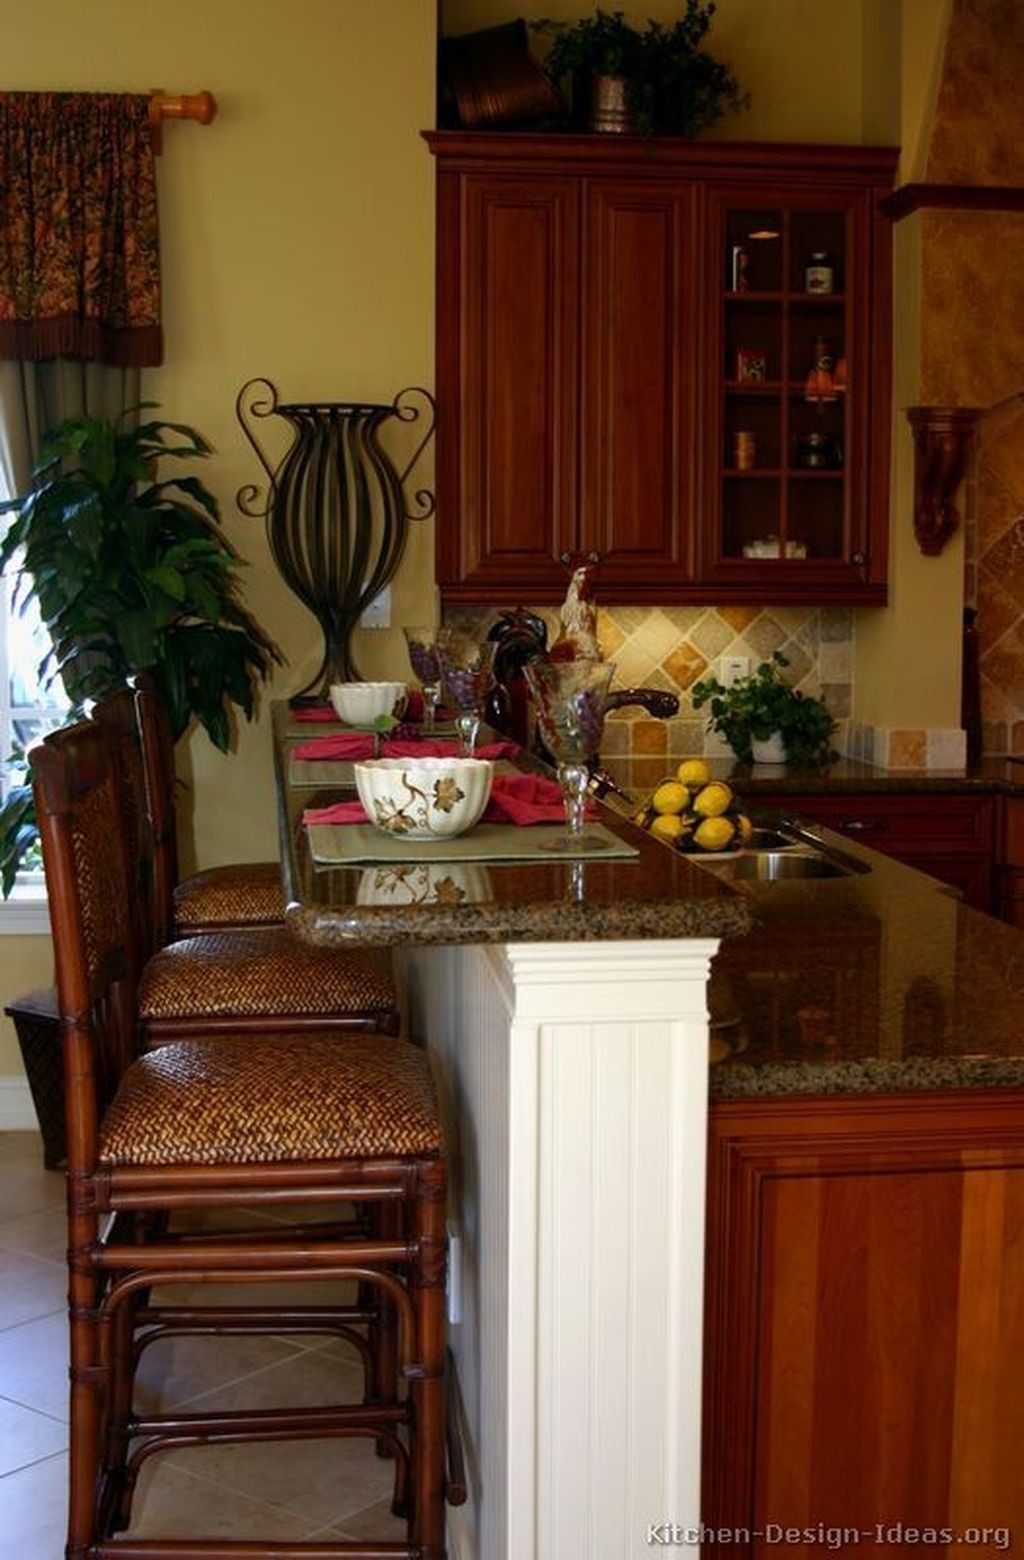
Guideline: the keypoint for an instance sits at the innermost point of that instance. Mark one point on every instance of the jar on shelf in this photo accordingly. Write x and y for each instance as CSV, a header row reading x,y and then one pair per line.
x,y
820,383
819,273
818,452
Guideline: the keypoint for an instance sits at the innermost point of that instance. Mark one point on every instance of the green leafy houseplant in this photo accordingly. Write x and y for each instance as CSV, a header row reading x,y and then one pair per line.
x,y
761,704
131,574
673,86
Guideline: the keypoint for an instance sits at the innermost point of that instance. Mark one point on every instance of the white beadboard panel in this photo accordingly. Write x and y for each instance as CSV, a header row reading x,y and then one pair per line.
x,y
460,1002
576,1080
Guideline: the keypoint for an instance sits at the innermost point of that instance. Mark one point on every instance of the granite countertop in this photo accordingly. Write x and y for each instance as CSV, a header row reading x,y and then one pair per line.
x,y
655,894
846,775
880,982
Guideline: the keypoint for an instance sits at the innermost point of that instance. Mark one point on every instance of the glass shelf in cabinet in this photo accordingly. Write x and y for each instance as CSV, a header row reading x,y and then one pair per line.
x,y
756,474
757,298
832,474
833,300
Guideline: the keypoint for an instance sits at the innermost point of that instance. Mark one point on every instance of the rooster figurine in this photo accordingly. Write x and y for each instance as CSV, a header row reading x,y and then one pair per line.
x,y
577,635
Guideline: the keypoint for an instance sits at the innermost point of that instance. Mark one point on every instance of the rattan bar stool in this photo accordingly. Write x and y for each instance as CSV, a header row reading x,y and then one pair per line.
x,y
218,899
256,977
257,1121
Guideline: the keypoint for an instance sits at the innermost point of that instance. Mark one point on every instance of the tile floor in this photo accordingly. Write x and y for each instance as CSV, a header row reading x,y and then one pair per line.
x,y
312,1489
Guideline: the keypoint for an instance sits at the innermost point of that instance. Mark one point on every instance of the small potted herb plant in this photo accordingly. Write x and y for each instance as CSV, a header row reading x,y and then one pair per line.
x,y
764,720
664,82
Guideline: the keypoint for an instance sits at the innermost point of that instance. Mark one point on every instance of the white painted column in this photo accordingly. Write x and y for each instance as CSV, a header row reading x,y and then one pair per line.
x,y
577,1080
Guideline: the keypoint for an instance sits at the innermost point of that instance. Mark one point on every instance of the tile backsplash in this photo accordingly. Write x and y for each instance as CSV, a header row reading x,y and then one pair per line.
x,y
671,648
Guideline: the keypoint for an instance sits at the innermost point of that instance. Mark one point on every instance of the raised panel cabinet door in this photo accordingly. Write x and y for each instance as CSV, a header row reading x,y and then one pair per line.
x,y
507,377
865,1324
638,380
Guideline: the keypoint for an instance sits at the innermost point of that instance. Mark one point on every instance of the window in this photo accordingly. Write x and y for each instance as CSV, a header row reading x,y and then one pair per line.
x,y
28,708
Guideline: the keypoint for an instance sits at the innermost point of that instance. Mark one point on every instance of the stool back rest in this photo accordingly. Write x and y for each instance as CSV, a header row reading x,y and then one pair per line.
x,y
116,714
80,817
157,748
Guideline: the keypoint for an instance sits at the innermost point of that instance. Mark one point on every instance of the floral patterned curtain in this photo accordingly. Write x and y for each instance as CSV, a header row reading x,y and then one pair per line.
x,y
79,243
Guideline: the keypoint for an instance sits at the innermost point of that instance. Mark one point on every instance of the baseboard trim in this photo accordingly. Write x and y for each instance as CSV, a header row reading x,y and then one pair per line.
x,y
17,1113
460,1538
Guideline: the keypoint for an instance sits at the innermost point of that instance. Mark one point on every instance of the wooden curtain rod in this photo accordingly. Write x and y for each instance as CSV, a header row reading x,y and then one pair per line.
x,y
200,106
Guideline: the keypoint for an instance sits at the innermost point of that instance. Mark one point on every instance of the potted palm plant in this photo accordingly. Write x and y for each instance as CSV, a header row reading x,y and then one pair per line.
x,y
765,720
656,81
131,572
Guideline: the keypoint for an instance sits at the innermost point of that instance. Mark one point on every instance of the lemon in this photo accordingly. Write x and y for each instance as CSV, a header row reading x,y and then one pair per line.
x,y
714,833
712,799
670,797
667,826
693,771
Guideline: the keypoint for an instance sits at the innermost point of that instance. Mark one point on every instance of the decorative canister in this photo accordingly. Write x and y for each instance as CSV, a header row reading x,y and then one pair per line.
x,y
819,273
609,112
738,269
817,452
744,450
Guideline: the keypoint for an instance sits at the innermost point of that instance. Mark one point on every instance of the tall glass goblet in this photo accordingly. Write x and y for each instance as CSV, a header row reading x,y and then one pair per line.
x,y
467,673
424,646
569,697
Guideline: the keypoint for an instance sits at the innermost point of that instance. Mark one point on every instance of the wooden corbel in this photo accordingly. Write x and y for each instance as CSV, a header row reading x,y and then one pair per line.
x,y
943,441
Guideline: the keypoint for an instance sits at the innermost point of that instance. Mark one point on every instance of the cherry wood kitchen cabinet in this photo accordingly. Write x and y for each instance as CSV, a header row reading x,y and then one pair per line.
x,y
587,338
951,836
864,1319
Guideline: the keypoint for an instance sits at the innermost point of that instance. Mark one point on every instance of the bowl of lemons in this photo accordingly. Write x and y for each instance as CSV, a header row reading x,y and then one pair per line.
x,y
695,813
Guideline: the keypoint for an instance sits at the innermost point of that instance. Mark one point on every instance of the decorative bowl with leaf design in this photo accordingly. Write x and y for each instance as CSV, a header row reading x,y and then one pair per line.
x,y
424,798
361,703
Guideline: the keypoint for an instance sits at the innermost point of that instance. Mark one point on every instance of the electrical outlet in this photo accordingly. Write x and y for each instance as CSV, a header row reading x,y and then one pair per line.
x,y
733,668
454,1277
378,613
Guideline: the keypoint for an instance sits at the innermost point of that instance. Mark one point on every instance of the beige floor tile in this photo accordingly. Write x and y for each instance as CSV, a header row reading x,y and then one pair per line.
x,y
41,1234
170,1502
33,1505
29,1287
323,1480
173,1370
34,1365
374,1521
27,1436
27,1187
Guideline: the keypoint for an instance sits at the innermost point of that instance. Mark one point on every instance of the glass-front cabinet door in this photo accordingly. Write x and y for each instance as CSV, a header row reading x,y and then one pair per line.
x,y
789,477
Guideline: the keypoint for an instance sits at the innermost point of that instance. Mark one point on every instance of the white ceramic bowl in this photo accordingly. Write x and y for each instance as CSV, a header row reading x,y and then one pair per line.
x,y
360,703
424,798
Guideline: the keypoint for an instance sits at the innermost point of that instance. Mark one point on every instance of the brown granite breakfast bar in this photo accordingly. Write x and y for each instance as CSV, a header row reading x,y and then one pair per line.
x,y
865,1186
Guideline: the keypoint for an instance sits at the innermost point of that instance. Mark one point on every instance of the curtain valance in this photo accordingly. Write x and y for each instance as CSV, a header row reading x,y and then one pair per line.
x,y
79,240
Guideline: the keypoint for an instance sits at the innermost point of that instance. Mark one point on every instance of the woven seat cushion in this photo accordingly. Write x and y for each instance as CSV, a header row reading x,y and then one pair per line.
x,y
246,894
262,972
246,1100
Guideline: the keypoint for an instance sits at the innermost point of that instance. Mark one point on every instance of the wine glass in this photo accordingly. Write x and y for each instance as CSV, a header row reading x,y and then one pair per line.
x,y
424,646
570,698
467,672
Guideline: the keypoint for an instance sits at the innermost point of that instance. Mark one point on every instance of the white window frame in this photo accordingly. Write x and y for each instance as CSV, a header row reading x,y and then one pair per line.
x,y
25,912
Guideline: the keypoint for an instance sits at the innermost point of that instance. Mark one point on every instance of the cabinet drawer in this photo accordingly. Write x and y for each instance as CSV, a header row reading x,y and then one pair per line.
x,y
919,825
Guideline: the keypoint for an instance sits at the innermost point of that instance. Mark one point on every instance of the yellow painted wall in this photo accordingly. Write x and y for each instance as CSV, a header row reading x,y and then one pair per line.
x,y
800,59
297,242
907,669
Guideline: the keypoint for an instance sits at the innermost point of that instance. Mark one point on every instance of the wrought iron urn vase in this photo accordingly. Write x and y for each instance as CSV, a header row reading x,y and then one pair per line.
x,y
336,509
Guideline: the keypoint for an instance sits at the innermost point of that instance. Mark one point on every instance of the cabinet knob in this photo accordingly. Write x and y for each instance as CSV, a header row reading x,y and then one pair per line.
x,y
860,557
593,556
565,558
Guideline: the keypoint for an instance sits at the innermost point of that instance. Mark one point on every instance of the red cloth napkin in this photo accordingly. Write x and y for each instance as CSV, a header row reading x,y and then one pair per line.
x,y
314,712
345,744
518,799
526,799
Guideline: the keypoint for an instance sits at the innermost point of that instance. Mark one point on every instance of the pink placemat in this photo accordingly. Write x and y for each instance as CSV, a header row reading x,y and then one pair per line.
x,y
364,744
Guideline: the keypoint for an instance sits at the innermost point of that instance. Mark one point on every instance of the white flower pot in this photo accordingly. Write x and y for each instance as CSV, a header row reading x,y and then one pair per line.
x,y
771,751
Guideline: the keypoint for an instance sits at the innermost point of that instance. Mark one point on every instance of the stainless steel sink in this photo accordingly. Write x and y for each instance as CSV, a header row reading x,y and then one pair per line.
x,y
776,866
